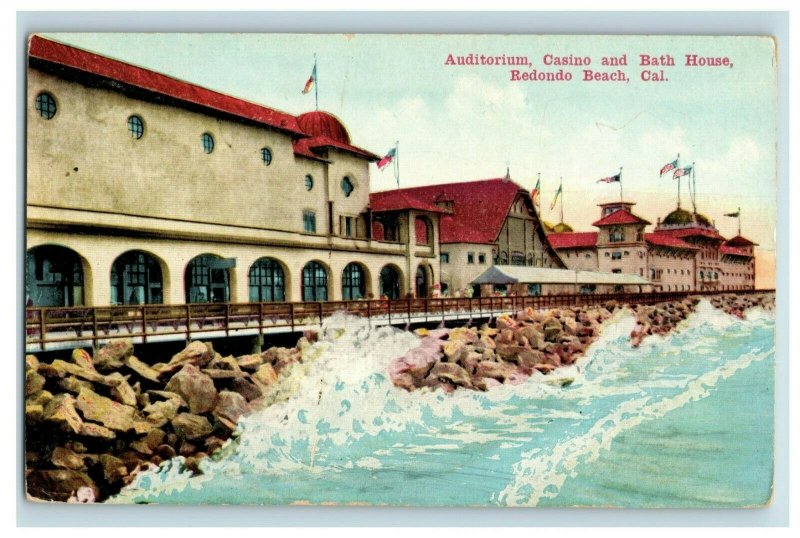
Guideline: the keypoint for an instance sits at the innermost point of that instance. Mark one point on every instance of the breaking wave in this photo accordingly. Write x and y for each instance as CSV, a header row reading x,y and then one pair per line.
x,y
345,434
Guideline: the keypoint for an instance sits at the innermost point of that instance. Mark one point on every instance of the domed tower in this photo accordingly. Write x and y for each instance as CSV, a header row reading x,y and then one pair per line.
x,y
323,124
562,227
699,231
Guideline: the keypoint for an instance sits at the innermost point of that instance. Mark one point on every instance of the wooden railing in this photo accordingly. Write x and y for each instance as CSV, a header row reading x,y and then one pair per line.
x,y
52,325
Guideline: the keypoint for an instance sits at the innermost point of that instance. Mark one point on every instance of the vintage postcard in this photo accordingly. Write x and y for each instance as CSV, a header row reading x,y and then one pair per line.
x,y
400,270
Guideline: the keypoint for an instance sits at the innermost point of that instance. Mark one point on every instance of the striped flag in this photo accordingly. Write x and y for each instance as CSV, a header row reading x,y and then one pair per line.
x,y
669,166
383,163
685,171
311,80
610,179
535,192
558,193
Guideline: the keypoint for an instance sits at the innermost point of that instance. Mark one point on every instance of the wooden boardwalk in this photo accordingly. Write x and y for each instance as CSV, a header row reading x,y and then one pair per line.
x,y
54,328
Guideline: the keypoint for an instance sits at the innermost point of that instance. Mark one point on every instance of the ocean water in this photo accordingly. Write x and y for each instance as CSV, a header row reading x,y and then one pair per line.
x,y
684,420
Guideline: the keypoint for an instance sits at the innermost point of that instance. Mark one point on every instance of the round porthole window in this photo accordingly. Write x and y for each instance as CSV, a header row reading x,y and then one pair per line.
x,y
46,105
347,186
266,156
309,182
208,143
136,127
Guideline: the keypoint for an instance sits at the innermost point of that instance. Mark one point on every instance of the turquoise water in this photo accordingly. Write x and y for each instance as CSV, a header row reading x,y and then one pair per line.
x,y
682,421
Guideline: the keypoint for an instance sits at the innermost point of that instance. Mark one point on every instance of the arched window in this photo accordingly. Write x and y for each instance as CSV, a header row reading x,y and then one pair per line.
x,y
206,280
616,234
390,282
53,277
266,156
136,279
46,105
422,229
136,127
267,283
208,142
503,259
353,282
315,282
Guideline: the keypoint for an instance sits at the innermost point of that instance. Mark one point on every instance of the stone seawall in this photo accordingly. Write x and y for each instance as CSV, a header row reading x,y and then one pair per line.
x,y
93,422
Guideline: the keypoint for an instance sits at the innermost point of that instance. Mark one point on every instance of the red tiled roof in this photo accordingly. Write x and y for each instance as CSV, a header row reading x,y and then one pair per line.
x,y
667,240
620,216
306,146
58,53
479,208
735,251
573,240
693,231
739,241
396,200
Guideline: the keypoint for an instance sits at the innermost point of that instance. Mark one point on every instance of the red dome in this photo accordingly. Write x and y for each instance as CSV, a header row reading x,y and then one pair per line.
x,y
323,124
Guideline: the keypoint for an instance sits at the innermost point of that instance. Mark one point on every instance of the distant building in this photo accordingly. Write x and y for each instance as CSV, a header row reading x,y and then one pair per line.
x,y
482,223
144,189
685,252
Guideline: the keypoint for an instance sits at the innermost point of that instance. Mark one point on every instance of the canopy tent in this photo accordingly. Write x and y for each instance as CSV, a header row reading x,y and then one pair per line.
x,y
514,274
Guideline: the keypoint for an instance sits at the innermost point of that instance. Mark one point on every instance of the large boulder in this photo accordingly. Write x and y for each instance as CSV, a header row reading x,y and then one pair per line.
x,y
190,426
112,355
197,353
249,390
82,358
96,431
265,375
196,388
58,485
114,469
552,329
61,410
492,370
454,350
34,382
63,458
111,414
250,362
59,368
142,370
230,406
452,373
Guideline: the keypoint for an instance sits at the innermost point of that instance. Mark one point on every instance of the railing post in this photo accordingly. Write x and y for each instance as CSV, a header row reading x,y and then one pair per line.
x,y
41,327
369,311
188,324
144,324
291,315
227,319
94,329
261,321
319,311
408,308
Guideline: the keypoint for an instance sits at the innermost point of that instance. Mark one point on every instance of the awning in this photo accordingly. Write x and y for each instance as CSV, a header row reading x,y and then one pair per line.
x,y
514,274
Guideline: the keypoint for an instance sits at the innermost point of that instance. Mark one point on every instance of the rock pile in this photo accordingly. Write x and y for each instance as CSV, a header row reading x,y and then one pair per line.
x,y
660,318
735,305
92,422
510,351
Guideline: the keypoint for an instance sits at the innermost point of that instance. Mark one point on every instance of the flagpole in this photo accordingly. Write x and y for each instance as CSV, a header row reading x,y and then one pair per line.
x,y
397,162
316,83
561,190
539,194
621,199
739,218
693,191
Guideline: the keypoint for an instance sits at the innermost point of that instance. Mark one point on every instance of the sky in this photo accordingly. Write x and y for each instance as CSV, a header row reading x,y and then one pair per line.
x,y
461,123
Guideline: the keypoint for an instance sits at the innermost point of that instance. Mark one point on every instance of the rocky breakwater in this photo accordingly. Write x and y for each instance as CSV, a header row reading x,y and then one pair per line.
x,y
660,318
93,422
736,305
509,350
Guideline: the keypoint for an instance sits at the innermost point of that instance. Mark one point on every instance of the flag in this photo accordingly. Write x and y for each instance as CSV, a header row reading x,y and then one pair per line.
x,y
558,192
734,215
383,163
685,171
610,179
669,166
311,80
535,193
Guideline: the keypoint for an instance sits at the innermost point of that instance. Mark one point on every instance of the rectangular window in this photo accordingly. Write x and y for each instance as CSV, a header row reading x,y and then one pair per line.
x,y
470,257
444,257
309,221
348,226
482,258
616,255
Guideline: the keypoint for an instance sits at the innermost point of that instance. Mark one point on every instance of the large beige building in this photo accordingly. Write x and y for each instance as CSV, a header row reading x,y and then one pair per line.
x,y
146,189
685,251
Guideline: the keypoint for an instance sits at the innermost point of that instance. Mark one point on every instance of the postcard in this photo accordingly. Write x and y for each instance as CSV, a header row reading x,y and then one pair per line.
x,y
400,270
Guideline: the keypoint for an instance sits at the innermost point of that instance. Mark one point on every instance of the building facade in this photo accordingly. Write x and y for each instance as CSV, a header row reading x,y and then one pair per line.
x,y
685,251
146,189
482,223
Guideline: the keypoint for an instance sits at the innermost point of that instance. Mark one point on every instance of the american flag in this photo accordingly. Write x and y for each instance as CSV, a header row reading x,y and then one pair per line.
x,y
685,171
610,179
669,166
